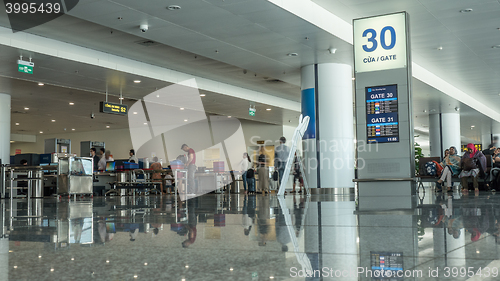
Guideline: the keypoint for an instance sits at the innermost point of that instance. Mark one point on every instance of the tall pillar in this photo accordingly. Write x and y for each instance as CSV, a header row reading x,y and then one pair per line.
x,y
5,128
328,143
444,131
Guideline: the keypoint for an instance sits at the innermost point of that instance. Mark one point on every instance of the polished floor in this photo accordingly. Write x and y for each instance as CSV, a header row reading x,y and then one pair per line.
x,y
251,237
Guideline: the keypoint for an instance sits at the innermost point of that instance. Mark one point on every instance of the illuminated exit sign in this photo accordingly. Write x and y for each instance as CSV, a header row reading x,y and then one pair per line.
x,y
25,66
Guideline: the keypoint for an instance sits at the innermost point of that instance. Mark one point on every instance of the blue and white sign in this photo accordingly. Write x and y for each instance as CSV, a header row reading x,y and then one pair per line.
x,y
380,43
382,124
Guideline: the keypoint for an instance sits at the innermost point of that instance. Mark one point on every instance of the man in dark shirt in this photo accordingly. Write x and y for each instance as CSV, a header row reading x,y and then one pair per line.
x,y
95,158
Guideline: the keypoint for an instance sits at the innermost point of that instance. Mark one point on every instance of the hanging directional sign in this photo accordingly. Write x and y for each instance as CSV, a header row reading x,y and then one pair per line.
x,y
114,108
251,111
25,66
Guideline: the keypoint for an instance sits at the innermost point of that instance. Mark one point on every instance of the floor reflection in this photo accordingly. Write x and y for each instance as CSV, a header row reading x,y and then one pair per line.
x,y
250,237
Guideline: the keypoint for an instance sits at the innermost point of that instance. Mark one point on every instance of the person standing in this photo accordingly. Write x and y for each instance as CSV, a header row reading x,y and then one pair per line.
x,y
263,171
106,158
281,154
133,158
156,176
101,152
191,167
243,168
95,158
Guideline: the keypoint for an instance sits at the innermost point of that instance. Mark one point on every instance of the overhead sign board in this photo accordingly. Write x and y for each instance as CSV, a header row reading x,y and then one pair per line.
x,y
380,43
114,108
382,122
251,111
25,66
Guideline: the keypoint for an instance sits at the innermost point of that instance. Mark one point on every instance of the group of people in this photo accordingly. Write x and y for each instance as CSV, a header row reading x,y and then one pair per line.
x,y
471,165
281,155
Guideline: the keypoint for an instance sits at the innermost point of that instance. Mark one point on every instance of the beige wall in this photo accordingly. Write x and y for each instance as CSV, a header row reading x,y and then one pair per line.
x,y
119,142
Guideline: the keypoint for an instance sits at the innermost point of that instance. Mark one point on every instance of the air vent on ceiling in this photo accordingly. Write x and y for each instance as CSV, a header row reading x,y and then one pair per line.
x,y
148,43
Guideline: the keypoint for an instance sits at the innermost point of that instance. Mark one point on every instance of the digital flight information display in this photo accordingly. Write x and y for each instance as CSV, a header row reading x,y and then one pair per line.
x,y
382,123
387,261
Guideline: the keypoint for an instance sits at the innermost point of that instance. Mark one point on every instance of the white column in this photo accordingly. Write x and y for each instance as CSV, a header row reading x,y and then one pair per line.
x,y
450,123
5,128
444,131
332,84
435,135
485,139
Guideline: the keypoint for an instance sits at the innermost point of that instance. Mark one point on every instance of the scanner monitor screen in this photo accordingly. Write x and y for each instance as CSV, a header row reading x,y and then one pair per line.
x,y
110,166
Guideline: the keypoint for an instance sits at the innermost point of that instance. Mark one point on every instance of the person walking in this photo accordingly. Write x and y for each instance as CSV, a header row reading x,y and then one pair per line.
x,y
281,154
263,171
191,167
243,168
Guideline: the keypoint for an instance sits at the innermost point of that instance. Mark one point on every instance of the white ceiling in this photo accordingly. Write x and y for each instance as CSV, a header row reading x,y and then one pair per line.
x,y
252,39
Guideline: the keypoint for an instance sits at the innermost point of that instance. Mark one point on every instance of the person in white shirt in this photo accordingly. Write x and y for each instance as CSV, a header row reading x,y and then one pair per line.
x,y
106,158
243,168
133,158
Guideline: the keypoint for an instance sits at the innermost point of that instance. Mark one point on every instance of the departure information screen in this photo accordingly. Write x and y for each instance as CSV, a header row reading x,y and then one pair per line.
x,y
382,114
387,261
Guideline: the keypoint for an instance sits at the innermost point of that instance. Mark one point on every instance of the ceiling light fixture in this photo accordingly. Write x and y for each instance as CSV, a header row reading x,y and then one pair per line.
x,y
268,109
121,98
40,84
17,124
202,95
173,7
145,123
468,10
332,50
41,132
457,108
229,116
53,120
135,112
496,46
71,103
120,18
472,126
353,78
72,129
440,48
293,55
182,108
137,81
185,120
107,127
26,108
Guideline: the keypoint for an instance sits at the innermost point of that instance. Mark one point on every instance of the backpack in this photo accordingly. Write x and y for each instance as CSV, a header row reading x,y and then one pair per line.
x,y
430,169
250,173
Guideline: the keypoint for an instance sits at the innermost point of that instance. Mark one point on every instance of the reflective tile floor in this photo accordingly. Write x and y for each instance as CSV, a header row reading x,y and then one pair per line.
x,y
256,237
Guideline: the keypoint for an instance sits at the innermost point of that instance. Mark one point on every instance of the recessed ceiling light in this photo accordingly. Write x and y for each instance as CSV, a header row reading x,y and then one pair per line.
x,y
71,103
17,124
51,270
145,263
229,117
72,259
120,18
468,10
174,7
41,132
121,98
53,120
292,54
26,108
145,123
440,48
11,141
202,95
40,84
107,127
182,108
353,78
472,126
231,269
135,112
137,81
15,266
425,111
72,129
268,109
185,120
496,46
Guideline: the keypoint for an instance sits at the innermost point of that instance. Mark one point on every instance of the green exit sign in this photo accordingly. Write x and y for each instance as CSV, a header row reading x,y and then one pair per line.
x,y
25,66
251,111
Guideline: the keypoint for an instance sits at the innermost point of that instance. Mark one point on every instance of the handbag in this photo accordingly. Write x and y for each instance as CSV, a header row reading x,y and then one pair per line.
x,y
439,168
468,164
275,176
